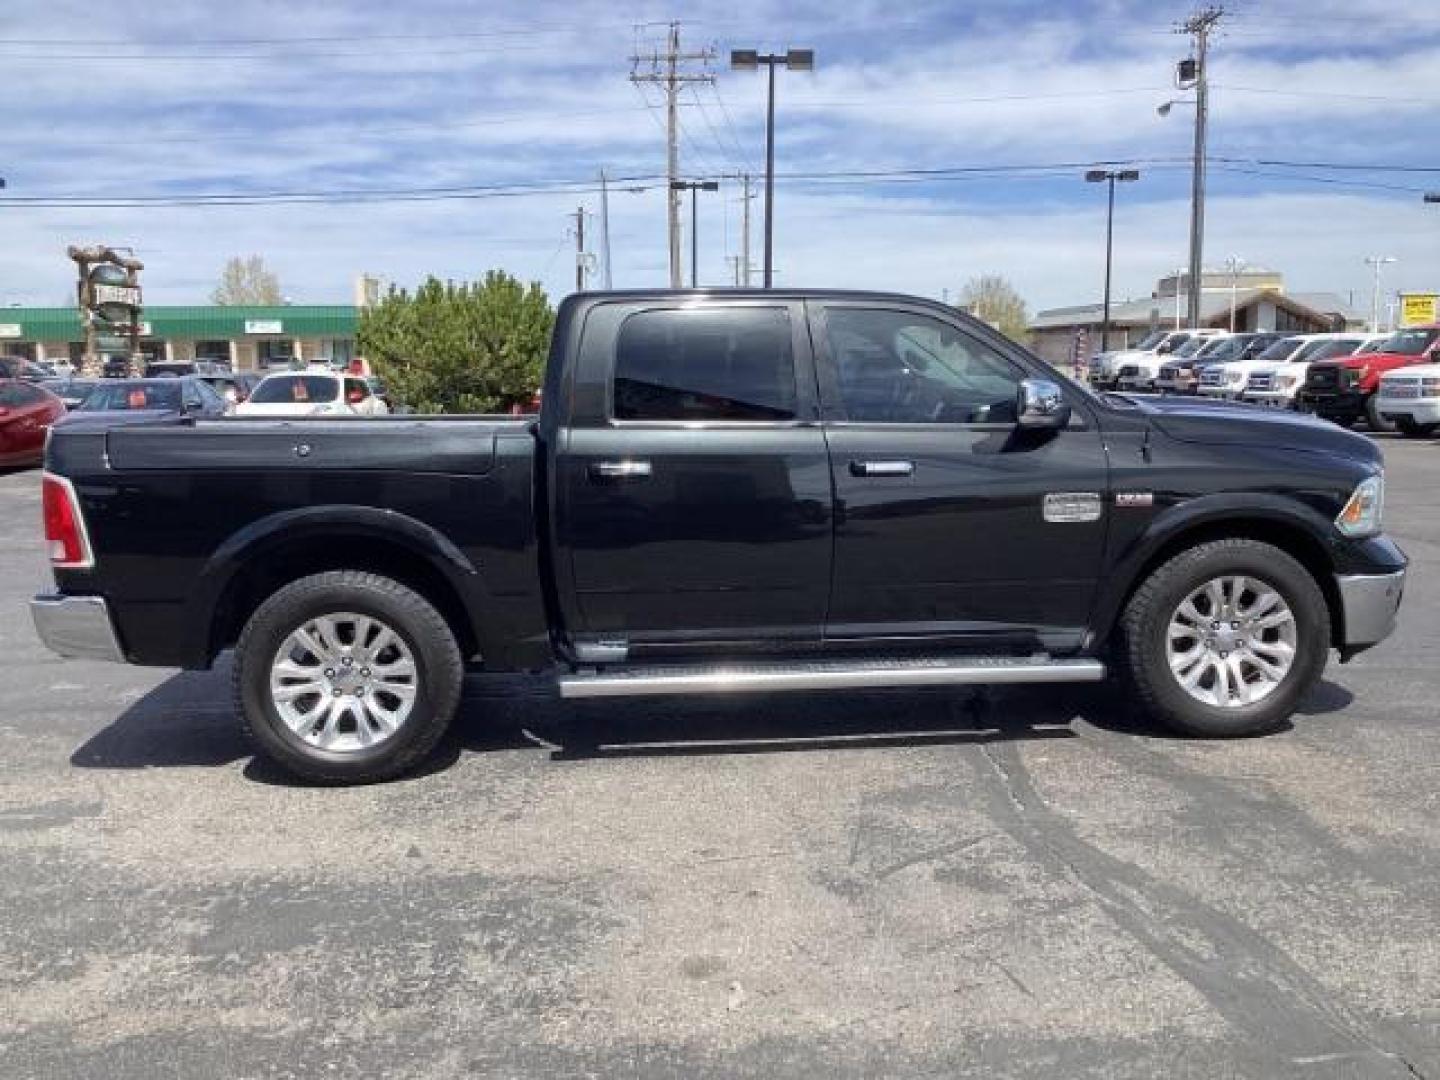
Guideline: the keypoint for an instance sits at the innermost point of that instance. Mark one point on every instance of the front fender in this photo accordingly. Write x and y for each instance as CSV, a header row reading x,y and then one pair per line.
x,y
1205,515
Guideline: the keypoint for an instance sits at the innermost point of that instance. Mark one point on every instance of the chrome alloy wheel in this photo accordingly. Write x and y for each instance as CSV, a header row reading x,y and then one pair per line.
x,y
1231,642
344,682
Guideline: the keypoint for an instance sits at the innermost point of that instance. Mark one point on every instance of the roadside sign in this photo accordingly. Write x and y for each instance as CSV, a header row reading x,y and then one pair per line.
x,y
128,295
264,326
11,330
1418,309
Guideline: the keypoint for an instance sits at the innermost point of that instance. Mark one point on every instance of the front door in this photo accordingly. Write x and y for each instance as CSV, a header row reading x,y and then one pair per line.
x,y
952,525
695,502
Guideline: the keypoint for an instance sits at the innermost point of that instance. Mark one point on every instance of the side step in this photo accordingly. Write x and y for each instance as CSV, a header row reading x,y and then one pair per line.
x,y
827,675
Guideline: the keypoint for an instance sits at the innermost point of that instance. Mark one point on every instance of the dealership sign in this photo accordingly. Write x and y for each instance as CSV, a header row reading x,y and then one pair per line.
x,y
1419,309
264,326
11,330
126,295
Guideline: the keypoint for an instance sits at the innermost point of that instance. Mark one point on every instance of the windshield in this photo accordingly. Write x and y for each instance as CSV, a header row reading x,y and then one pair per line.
x,y
1280,351
131,396
1370,346
1324,350
296,390
1193,346
12,396
1150,340
1220,349
1408,342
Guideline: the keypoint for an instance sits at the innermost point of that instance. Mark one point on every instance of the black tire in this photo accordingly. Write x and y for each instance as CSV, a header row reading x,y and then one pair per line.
x,y
439,672
1413,430
1373,418
1144,628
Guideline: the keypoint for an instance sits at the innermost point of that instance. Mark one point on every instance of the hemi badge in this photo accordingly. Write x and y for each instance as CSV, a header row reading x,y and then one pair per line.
x,y
1067,506
1134,498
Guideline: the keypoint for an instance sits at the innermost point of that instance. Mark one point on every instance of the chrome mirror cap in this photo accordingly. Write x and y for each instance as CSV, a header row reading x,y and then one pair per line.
x,y
1041,403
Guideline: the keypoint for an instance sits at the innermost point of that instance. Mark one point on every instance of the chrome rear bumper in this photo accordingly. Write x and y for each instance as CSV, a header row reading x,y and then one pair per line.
x,y
1369,603
77,626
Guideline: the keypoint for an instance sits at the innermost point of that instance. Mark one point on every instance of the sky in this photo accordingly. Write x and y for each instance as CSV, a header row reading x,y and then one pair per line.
x,y
517,108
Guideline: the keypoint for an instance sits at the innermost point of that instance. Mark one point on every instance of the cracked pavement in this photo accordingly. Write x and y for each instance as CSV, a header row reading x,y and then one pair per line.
x,y
1027,882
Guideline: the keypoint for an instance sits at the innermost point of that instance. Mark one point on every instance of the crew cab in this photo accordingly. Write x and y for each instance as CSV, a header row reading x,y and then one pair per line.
x,y
1344,389
1105,367
1229,380
727,492
1181,375
1141,374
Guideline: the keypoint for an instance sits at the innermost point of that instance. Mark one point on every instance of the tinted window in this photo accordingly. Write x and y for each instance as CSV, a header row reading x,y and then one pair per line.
x,y
296,389
1409,342
895,367
17,395
1279,351
129,396
1333,347
707,364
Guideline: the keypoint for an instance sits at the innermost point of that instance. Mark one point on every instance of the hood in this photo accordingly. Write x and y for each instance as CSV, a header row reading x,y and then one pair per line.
x,y
1218,423
1369,358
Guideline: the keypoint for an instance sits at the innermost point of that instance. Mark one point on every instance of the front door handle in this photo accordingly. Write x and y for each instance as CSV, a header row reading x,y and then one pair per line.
x,y
882,468
620,470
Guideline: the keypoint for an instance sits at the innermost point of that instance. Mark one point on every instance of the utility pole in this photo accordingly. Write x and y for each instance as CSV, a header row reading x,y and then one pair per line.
x,y
1192,72
737,266
605,228
664,71
580,249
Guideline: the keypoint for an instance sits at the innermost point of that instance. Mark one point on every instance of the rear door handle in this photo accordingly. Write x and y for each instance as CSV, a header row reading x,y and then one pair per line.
x,y
882,468
620,470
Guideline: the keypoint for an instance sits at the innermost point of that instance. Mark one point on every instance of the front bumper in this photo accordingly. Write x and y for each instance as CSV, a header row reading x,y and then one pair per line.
x,y
1369,603
76,626
1332,402
1421,410
1280,399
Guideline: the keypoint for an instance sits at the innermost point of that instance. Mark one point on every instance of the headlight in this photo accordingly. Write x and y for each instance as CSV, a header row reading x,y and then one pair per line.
x,y
1361,516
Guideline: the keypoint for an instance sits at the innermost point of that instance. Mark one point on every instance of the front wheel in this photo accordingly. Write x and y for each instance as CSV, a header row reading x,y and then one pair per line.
x,y
347,677
1413,429
1224,639
1374,419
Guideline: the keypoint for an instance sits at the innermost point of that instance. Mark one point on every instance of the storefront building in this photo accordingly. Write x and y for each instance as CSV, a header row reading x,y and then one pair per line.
x,y
247,338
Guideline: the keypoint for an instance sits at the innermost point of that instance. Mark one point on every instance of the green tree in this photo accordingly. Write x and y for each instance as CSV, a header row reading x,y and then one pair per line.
x,y
460,348
247,281
992,299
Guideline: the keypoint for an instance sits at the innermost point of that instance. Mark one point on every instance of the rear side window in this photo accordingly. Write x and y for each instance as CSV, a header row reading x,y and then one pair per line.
x,y
706,364
296,389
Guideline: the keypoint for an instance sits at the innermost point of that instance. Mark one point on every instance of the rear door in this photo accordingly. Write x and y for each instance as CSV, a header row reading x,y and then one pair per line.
x,y
694,501
952,525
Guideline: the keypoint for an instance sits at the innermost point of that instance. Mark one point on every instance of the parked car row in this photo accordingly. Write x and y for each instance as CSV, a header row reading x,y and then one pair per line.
x,y
1391,381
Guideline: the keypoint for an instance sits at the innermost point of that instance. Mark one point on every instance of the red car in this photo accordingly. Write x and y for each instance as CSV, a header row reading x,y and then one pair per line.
x,y
26,413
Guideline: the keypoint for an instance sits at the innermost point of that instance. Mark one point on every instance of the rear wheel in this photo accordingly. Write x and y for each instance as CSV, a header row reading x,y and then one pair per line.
x,y
347,677
1412,429
1225,638
1373,417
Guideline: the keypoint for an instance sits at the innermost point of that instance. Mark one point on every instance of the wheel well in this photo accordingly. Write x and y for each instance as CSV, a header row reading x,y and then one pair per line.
x,y
301,557
1291,539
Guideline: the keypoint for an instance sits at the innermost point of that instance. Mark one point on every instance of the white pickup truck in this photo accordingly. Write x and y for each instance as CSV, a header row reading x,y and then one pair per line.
x,y
1278,384
1229,380
1411,397
1136,369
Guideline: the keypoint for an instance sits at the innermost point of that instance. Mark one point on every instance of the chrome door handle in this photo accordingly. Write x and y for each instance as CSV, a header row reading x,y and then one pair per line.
x,y
620,470
882,468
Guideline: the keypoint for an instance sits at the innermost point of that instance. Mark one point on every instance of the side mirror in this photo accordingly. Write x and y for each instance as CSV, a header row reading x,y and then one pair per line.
x,y
1040,405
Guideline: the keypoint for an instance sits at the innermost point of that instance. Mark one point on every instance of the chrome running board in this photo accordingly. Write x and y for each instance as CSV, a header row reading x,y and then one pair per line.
x,y
827,675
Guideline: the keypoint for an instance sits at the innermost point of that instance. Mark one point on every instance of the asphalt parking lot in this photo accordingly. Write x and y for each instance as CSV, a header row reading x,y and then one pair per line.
x,y
934,884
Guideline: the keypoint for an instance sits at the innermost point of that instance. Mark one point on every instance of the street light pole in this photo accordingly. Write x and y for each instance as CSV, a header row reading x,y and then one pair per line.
x,y
693,186
1107,176
750,60
1234,264
1377,262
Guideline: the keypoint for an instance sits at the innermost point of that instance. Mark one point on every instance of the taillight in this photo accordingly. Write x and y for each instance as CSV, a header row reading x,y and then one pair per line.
x,y
64,527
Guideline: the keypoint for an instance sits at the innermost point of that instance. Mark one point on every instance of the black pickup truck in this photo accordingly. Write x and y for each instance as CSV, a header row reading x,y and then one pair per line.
x,y
728,491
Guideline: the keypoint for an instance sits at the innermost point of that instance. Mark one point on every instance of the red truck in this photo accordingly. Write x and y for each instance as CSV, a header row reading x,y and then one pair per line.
x,y
1343,389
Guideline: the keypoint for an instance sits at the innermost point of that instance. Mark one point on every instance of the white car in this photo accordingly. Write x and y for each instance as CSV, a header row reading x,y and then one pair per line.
x,y
1142,370
316,392
1278,384
1411,397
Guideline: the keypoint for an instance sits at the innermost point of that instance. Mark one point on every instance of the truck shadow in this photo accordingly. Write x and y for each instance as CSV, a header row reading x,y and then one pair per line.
x,y
188,722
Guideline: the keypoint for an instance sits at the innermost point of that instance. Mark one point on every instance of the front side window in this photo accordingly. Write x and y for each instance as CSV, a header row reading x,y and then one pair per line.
x,y
19,395
132,396
296,390
894,367
1279,352
714,363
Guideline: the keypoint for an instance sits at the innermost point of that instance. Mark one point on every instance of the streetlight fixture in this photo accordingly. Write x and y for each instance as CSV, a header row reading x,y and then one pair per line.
x,y
1109,176
1377,262
693,186
791,60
